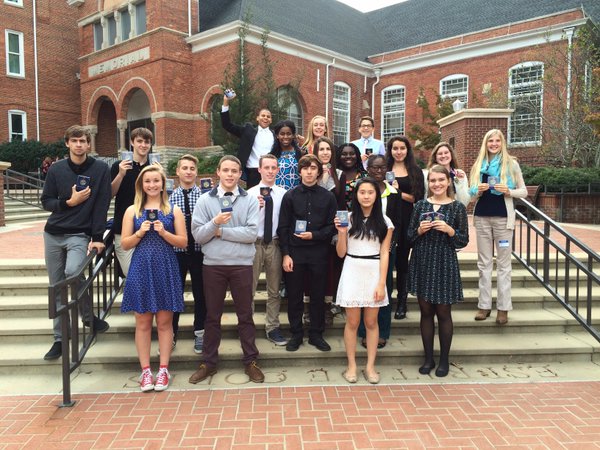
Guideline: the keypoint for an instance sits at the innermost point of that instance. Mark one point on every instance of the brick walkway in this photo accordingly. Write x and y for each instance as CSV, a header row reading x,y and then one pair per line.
x,y
475,416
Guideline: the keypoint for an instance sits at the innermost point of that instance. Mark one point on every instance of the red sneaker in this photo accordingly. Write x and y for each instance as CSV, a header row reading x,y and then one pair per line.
x,y
162,380
146,381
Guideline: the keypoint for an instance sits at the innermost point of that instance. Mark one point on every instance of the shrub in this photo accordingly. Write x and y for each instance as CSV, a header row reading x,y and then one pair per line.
x,y
27,156
567,179
206,164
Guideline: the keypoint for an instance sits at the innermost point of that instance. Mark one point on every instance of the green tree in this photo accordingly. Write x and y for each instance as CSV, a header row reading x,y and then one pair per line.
x,y
426,134
255,88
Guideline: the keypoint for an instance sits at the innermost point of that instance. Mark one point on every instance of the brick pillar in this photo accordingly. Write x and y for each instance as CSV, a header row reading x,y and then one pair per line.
x,y
465,130
3,167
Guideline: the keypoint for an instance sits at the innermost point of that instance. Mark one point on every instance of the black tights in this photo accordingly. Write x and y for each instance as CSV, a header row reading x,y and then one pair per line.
x,y
446,329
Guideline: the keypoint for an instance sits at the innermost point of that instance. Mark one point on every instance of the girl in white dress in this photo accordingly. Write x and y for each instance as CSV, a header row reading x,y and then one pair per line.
x,y
366,246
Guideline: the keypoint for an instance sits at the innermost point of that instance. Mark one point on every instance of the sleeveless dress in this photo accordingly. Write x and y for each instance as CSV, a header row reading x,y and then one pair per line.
x,y
153,283
433,271
360,276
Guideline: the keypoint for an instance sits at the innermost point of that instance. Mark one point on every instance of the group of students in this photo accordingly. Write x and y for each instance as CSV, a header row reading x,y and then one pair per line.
x,y
290,223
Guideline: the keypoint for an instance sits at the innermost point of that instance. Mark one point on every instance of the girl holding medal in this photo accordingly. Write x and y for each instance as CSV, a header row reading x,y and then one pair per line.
x,y
495,180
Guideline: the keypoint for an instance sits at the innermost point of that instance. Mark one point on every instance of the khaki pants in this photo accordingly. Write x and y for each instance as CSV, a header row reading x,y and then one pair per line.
x,y
492,232
269,257
124,256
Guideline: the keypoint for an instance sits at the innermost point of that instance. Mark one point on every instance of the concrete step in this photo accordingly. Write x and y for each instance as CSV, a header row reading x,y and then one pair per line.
x,y
36,305
513,348
122,326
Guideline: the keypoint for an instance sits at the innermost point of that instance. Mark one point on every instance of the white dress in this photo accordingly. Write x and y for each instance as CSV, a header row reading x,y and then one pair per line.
x,y
360,276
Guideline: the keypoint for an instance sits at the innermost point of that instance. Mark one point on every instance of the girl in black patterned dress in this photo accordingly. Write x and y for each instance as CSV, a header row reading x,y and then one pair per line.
x,y
438,227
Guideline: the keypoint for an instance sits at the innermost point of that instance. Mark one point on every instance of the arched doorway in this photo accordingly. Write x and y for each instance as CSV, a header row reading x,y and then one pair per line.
x,y
138,113
107,139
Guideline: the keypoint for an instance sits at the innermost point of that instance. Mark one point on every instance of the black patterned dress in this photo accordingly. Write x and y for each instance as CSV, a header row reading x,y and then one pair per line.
x,y
433,271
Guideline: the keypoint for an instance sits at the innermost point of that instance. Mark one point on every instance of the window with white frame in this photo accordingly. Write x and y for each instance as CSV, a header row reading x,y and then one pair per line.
x,y
14,2
120,26
455,87
525,93
290,107
98,36
393,106
15,60
17,125
341,113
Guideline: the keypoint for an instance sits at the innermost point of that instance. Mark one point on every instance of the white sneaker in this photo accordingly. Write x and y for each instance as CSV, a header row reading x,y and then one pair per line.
x,y
162,380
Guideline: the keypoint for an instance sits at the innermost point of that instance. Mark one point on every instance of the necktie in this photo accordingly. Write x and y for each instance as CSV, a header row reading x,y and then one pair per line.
x,y
268,235
188,221
228,193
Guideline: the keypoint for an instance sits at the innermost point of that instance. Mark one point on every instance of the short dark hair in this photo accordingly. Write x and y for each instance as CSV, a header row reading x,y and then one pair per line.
x,y
142,132
77,131
308,160
229,158
369,118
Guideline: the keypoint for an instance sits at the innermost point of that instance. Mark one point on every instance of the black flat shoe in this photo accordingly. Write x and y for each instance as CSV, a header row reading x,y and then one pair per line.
x,y
399,315
442,371
382,344
426,368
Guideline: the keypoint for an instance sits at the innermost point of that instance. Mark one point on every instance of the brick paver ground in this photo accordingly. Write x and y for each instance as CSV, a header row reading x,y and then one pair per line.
x,y
480,416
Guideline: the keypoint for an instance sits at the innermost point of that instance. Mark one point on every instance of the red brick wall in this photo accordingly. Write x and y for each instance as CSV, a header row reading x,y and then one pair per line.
x,y
576,208
57,39
107,137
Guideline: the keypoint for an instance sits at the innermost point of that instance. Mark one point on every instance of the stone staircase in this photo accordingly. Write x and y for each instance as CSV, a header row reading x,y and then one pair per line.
x,y
539,331
20,212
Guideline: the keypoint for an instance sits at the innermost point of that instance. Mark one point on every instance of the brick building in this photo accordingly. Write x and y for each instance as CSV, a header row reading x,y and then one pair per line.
x,y
160,63
39,89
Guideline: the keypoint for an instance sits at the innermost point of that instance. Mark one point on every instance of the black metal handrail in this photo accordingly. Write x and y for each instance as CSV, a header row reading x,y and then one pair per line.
x,y
548,252
23,187
101,286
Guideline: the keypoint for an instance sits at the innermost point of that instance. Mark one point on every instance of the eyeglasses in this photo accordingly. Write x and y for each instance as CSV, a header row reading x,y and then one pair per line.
x,y
377,168
366,126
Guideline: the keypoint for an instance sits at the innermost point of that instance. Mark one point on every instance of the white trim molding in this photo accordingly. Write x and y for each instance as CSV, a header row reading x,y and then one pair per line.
x,y
484,47
229,33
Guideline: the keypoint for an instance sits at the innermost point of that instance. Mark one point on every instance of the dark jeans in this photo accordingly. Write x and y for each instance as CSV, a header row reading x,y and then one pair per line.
x,y
294,281
216,281
192,263
384,316
252,177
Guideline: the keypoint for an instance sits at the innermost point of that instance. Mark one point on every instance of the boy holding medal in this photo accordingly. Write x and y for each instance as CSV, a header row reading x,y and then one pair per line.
x,y
225,223
305,232
78,219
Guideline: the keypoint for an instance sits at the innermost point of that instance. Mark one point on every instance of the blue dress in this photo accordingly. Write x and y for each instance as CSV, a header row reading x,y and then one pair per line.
x,y
153,283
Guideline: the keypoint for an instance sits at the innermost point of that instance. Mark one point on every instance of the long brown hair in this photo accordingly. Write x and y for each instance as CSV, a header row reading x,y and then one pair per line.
x,y
331,161
140,195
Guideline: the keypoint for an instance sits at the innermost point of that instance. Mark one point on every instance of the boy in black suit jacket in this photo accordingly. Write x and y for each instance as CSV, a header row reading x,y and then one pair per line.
x,y
254,141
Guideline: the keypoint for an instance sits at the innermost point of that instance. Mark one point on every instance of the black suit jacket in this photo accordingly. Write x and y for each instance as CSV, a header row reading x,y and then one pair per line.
x,y
246,133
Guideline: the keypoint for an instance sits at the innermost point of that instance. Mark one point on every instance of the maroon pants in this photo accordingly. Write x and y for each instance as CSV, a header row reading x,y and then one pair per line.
x,y
216,281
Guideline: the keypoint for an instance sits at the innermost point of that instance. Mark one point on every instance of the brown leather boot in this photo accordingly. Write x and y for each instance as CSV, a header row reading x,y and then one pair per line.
x,y
502,317
482,314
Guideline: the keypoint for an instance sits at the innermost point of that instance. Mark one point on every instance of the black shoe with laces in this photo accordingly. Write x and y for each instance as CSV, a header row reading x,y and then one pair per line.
x,y
55,351
294,344
99,325
320,343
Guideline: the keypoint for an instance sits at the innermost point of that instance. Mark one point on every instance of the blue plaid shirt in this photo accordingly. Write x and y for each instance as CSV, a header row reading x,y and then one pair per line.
x,y
178,199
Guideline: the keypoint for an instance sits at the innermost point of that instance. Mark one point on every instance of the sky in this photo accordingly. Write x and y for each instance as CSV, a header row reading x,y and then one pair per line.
x,y
369,5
